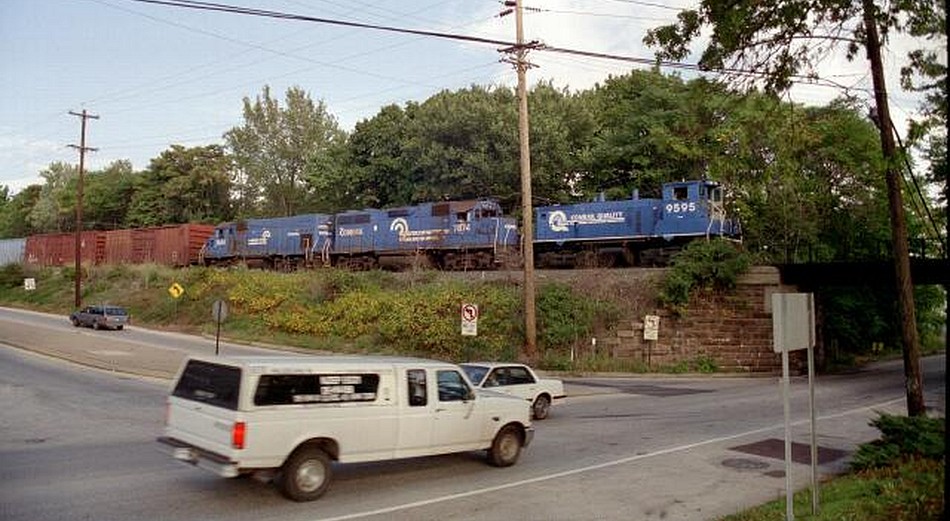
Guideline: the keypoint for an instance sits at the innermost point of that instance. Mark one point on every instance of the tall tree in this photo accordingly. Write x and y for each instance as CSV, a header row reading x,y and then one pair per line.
x,y
107,195
183,185
778,41
54,210
273,149
14,216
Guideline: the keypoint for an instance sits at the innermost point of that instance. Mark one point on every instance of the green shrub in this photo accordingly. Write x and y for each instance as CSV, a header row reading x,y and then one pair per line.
x,y
902,437
11,276
715,264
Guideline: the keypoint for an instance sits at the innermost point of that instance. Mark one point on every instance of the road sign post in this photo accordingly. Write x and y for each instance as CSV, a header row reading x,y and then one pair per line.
x,y
469,319
219,312
793,328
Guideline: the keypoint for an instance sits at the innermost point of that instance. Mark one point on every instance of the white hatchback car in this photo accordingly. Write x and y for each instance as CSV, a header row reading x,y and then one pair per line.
x,y
517,380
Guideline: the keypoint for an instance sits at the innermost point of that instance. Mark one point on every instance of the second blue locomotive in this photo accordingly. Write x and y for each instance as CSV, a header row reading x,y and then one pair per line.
x,y
475,235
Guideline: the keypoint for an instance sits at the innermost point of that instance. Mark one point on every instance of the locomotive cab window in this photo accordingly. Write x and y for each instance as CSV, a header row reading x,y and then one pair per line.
x,y
715,195
680,193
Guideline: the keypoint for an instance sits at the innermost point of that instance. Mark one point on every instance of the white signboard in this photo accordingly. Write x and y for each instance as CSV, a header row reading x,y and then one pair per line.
x,y
29,284
469,320
793,321
651,327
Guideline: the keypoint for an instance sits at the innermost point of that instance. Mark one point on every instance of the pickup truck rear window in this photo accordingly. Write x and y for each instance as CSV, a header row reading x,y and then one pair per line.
x,y
209,383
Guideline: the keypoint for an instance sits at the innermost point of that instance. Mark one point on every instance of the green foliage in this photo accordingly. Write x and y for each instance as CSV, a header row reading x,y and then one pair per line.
x,y
911,490
274,148
715,264
11,276
902,437
183,185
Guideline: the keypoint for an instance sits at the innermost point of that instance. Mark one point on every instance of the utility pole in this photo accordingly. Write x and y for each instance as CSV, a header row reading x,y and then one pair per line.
x,y
82,148
905,288
519,52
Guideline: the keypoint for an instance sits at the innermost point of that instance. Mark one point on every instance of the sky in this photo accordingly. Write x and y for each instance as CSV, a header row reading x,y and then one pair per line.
x,y
158,75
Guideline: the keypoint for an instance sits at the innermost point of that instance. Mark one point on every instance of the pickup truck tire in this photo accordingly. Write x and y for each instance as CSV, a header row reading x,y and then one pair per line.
x,y
506,447
306,475
541,407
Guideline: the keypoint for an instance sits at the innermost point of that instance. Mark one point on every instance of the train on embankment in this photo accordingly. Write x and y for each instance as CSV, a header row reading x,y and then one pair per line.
x,y
451,235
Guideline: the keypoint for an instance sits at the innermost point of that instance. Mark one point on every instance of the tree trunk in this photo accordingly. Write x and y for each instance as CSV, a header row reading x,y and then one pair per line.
x,y
905,288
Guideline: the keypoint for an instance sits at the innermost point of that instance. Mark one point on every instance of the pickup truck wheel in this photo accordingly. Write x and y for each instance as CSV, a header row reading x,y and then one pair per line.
x,y
306,474
95,325
506,447
541,407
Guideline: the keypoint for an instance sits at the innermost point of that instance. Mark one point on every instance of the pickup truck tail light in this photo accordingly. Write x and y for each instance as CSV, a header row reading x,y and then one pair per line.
x,y
238,433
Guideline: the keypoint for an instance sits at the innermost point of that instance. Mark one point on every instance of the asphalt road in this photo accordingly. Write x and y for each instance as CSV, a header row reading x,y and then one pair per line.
x,y
78,443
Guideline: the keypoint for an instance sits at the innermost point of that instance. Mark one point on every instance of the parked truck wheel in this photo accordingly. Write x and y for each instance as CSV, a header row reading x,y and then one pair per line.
x,y
306,475
506,447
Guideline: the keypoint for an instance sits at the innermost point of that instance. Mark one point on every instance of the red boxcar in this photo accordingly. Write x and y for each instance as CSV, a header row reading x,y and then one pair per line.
x,y
170,245
118,248
59,249
177,245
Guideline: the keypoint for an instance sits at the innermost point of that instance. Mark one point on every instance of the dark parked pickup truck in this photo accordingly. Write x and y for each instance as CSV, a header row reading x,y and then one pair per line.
x,y
100,317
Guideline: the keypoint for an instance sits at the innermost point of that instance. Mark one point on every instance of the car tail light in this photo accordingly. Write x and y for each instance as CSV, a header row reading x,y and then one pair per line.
x,y
238,433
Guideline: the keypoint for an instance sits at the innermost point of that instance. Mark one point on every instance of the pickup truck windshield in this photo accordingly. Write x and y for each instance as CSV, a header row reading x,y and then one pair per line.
x,y
209,383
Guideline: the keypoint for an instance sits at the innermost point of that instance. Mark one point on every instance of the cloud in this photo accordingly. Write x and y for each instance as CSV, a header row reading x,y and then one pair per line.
x,y
32,157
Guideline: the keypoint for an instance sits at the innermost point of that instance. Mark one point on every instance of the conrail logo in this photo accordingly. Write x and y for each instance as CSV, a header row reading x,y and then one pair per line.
x,y
557,221
400,226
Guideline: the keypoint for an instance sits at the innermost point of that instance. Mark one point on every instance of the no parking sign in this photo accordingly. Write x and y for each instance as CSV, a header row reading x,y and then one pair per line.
x,y
469,319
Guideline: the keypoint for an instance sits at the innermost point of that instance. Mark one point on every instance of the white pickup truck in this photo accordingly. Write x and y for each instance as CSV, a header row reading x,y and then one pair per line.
x,y
289,417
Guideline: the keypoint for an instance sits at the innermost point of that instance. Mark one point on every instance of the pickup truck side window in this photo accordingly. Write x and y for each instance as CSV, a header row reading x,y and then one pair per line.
x,y
452,387
417,387
287,389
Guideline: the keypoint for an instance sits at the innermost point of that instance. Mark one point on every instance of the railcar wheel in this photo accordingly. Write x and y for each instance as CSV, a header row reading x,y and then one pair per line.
x,y
541,407
306,474
506,447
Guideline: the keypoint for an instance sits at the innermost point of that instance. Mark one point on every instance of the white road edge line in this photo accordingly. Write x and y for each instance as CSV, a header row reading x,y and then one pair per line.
x,y
621,461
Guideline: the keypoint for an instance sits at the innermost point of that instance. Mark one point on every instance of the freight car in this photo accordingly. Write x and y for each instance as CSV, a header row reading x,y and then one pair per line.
x,y
176,245
11,251
633,232
279,243
456,235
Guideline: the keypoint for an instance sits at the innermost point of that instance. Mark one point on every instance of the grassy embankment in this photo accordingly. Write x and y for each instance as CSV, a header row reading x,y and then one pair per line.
x,y
339,311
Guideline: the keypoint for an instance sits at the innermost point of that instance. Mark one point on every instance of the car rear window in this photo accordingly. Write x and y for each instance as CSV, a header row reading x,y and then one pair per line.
x,y
115,311
209,383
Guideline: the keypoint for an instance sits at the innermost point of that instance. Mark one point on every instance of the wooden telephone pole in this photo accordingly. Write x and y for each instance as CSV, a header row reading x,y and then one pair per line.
x,y
905,288
82,148
519,59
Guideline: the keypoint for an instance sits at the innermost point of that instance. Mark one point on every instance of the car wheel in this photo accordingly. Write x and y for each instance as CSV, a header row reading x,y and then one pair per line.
x,y
118,328
541,407
75,322
95,325
306,474
506,447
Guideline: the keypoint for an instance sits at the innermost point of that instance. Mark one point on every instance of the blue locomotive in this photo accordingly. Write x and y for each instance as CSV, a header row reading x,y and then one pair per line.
x,y
456,235
634,232
282,243
475,235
